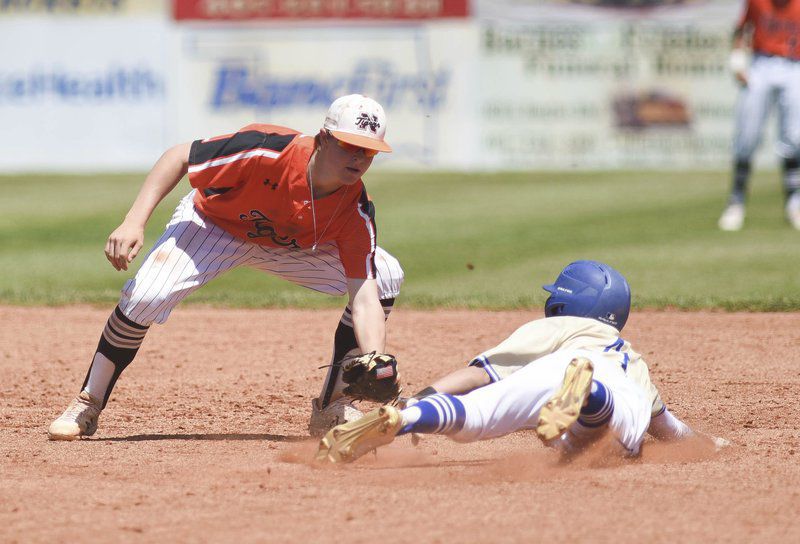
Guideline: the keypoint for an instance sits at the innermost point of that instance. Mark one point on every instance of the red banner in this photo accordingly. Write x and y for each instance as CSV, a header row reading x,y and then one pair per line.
x,y
248,10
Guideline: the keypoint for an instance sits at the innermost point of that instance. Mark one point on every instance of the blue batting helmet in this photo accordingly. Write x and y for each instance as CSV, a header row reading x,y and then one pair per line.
x,y
590,289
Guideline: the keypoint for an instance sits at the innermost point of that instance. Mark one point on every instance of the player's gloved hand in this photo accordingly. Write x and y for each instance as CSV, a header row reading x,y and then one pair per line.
x,y
371,376
124,244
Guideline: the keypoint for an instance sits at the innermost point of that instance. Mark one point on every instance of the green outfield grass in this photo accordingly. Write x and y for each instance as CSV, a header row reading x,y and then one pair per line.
x,y
465,240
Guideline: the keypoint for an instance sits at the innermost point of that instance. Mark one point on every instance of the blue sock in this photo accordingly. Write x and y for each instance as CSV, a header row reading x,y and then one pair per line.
x,y
599,406
435,414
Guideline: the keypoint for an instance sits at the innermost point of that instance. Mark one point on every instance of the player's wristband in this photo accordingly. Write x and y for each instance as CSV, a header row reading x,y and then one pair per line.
x,y
738,60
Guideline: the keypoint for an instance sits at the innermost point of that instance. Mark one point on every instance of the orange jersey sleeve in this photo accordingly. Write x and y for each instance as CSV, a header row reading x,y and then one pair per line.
x,y
747,16
217,165
357,240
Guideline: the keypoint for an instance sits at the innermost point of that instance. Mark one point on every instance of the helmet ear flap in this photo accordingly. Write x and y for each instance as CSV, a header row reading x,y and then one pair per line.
x,y
552,308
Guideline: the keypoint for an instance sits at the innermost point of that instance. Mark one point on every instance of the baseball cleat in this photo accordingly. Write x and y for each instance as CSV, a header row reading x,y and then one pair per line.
x,y
79,419
564,407
346,443
732,218
336,413
570,445
793,210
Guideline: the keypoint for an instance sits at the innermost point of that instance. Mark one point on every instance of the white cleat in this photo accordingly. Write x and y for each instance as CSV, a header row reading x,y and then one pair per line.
x,y
336,413
79,419
732,218
793,210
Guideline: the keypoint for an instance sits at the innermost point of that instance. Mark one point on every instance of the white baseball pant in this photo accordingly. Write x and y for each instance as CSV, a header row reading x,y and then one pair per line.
x,y
193,251
513,404
770,80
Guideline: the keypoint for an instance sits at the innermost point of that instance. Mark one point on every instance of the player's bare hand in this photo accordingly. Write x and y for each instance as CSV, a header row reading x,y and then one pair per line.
x,y
123,245
741,78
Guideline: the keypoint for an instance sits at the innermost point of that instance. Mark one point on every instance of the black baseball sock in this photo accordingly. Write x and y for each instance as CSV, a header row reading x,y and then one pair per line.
x,y
741,177
119,343
791,177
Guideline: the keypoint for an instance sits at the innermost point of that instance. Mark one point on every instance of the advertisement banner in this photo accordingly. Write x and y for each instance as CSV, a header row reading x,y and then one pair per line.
x,y
75,95
423,78
82,7
246,10
523,84
613,85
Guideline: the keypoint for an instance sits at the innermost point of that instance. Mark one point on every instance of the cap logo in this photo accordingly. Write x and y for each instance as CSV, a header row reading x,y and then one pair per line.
x,y
367,121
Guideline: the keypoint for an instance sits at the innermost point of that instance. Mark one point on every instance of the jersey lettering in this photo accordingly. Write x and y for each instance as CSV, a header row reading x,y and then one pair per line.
x,y
263,227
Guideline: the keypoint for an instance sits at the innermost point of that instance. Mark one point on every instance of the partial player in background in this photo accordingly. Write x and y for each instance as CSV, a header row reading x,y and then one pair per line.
x,y
570,376
771,28
273,199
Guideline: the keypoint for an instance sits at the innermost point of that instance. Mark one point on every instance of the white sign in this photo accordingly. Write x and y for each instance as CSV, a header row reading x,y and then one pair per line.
x,y
607,86
525,84
82,94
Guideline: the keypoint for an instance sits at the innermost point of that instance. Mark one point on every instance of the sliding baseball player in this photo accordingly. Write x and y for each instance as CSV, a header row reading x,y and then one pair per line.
x,y
569,376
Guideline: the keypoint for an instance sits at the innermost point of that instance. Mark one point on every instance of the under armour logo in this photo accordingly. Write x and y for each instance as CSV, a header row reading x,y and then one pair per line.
x,y
366,120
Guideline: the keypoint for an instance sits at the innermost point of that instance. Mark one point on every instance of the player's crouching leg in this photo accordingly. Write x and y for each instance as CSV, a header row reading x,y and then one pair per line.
x,y
118,345
333,407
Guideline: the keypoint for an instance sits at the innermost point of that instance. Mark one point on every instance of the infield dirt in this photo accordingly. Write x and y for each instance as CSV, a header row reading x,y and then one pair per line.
x,y
205,438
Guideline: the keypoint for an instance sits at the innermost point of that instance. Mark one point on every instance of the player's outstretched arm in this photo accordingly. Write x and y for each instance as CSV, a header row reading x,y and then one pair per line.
x,y
458,382
667,427
368,318
461,381
125,242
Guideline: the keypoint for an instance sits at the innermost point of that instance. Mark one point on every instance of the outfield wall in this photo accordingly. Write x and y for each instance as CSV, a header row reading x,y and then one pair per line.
x,y
541,84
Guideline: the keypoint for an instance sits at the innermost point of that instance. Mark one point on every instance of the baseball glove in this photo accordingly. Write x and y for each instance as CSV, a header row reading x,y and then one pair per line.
x,y
371,376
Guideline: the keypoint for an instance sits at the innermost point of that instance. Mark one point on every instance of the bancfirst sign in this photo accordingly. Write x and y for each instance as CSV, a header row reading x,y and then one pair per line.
x,y
243,84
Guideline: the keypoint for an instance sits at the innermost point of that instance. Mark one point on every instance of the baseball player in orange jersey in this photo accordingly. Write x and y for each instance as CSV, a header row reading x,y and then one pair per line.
x,y
570,376
773,29
266,197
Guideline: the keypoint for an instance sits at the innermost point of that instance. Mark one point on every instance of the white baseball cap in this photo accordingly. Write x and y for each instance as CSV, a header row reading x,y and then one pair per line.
x,y
358,120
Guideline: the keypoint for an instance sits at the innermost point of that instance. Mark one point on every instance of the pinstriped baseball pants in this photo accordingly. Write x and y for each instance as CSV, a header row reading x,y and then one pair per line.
x,y
193,251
